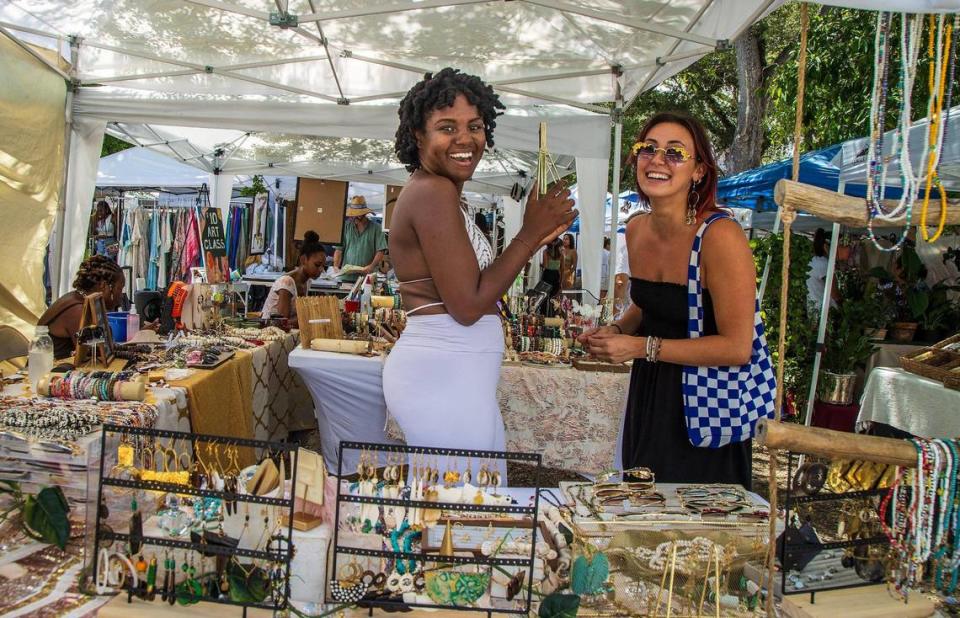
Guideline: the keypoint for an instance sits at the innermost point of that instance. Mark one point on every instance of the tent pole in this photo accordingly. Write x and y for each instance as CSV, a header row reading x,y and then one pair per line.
x,y
57,276
766,263
824,314
617,116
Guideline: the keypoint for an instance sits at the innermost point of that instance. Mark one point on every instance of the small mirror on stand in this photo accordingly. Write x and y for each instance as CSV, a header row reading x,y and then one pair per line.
x,y
311,481
94,339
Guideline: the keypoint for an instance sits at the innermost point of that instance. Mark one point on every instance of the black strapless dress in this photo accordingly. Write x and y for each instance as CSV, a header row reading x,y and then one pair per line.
x,y
654,430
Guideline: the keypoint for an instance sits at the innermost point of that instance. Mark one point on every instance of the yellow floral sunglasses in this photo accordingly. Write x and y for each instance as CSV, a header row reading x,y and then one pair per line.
x,y
674,155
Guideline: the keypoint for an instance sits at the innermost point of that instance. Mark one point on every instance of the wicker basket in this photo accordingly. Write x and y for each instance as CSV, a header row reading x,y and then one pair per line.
x,y
936,363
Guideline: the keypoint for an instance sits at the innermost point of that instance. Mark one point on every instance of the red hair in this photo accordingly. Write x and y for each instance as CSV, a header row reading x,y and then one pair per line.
x,y
707,187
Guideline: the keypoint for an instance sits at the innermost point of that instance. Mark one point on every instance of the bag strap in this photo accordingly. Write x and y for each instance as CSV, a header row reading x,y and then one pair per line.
x,y
694,288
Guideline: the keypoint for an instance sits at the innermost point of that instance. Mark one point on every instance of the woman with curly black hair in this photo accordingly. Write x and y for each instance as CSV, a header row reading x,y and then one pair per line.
x,y
96,274
441,377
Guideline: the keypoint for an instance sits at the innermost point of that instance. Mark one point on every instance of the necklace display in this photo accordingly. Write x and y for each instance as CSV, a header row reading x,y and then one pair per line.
x,y
925,517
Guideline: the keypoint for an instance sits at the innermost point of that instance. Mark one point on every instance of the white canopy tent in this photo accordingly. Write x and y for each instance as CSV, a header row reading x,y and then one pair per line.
x,y
336,69
852,157
142,168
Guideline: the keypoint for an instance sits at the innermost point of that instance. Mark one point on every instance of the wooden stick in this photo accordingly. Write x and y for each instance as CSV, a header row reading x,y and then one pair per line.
x,y
843,209
836,444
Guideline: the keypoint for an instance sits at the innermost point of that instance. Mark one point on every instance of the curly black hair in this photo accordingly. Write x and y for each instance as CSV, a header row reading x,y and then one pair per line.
x,y
436,92
95,270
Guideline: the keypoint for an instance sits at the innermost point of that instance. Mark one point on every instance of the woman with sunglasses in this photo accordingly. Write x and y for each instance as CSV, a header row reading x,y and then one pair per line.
x,y
677,175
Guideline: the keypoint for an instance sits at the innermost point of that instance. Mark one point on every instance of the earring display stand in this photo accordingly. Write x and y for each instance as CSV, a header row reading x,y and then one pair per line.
x,y
443,563
278,551
841,578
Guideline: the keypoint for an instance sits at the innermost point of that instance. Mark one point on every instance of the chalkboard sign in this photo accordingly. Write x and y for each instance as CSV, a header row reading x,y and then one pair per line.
x,y
214,245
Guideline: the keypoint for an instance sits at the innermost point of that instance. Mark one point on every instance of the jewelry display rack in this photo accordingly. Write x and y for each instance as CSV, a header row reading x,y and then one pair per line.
x,y
791,502
282,556
530,511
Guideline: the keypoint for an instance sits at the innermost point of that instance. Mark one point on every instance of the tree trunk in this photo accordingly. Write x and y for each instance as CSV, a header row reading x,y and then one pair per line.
x,y
747,147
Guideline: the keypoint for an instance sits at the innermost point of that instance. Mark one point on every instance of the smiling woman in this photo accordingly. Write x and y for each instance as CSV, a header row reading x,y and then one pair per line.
x,y
441,377
677,175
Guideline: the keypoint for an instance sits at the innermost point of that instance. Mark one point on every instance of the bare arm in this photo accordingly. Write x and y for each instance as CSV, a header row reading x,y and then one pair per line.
x,y
284,302
730,275
337,258
377,258
468,293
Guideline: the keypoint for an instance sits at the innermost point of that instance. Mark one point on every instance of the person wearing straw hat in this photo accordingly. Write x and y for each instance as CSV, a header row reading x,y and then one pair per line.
x,y
363,241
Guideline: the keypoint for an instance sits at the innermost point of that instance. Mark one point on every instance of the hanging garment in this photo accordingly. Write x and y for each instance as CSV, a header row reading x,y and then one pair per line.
x,y
153,267
191,248
179,240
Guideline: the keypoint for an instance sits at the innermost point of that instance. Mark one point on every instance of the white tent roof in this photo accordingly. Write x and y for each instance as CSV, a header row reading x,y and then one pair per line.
x,y
143,168
852,158
358,51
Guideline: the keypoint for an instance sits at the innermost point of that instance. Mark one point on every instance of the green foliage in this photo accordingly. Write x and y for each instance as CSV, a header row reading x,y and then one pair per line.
x,y
113,145
256,187
802,329
846,347
558,605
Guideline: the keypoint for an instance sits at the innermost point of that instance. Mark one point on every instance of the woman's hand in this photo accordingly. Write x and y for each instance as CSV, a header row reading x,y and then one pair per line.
x,y
616,348
584,338
548,216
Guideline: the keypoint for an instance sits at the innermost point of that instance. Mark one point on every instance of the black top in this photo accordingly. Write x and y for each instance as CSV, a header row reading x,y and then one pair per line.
x,y
654,430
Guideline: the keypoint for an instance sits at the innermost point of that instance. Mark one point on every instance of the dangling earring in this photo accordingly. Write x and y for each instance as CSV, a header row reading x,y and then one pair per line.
x,y
692,200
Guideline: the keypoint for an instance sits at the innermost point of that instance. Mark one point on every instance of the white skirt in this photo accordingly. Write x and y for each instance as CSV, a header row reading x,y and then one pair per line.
x,y
440,383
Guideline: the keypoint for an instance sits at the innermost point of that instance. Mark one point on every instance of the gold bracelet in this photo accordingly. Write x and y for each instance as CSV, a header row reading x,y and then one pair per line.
x,y
525,244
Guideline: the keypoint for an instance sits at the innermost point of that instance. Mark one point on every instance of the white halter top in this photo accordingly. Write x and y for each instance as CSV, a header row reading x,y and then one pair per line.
x,y
481,248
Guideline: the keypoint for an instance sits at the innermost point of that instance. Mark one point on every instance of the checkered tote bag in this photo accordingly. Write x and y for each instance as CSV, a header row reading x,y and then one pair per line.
x,y
723,404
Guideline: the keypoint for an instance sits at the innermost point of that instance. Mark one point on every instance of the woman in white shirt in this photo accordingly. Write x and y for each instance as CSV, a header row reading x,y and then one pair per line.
x,y
281,301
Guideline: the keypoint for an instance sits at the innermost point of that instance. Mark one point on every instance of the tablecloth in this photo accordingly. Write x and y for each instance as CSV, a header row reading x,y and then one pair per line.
x,y
220,401
348,400
910,403
281,403
571,417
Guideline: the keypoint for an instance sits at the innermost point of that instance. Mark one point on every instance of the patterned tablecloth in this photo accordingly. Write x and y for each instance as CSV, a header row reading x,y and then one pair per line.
x,y
571,417
281,403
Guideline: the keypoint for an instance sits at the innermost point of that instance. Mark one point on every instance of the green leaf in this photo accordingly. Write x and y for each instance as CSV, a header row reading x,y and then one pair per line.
x,y
46,516
918,301
558,605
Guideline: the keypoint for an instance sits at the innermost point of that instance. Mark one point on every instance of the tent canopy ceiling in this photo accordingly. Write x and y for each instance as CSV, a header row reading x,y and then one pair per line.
x,y
358,51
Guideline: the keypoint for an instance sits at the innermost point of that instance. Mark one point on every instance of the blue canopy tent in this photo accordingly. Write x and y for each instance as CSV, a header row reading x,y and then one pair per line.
x,y
753,189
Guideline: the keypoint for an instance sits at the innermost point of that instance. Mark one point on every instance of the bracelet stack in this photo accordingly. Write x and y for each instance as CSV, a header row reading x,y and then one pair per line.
x,y
653,349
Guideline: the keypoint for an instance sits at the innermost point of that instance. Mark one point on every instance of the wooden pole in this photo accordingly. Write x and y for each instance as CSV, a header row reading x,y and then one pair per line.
x,y
843,209
835,444
788,215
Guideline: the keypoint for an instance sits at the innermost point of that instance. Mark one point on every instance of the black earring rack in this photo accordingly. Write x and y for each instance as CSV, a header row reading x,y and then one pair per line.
x,y
284,556
532,511
791,502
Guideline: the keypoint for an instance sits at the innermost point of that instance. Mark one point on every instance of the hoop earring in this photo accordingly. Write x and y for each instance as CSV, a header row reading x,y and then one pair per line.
x,y
692,200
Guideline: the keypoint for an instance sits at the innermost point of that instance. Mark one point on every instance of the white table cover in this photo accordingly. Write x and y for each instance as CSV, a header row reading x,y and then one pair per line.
x,y
910,403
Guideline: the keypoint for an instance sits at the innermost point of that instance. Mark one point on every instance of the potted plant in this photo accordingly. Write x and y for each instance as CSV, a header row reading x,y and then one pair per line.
x,y
846,347
912,295
879,310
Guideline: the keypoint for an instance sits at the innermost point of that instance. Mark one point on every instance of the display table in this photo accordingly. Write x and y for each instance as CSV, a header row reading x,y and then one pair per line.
x,y
348,400
281,403
831,416
910,403
571,417
888,355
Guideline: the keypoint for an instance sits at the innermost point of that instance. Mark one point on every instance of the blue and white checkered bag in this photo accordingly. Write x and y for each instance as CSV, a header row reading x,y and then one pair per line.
x,y
723,404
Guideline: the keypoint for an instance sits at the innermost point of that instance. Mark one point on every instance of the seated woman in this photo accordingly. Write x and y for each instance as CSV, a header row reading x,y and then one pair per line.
x,y
281,301
96,274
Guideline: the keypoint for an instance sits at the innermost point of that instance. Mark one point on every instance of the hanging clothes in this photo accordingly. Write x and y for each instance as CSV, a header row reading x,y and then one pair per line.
x,y
191,247
153,266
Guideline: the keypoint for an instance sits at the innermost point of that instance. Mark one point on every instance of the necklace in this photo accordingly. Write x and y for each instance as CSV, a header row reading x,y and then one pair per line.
x,y
939,65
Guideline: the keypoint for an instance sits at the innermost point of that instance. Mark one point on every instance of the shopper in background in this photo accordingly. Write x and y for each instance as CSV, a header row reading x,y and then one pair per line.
x,y
363,241
281,301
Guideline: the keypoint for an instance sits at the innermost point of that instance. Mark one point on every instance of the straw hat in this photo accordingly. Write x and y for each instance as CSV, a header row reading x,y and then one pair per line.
x,y
358,207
